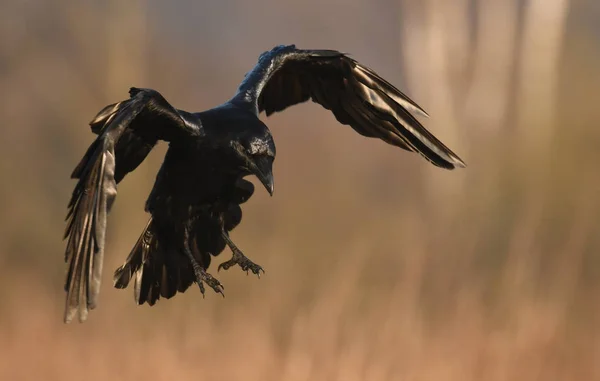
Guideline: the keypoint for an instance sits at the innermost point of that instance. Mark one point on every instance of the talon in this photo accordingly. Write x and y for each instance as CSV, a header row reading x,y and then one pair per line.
x,y
240,259
226,265
204,277
244,263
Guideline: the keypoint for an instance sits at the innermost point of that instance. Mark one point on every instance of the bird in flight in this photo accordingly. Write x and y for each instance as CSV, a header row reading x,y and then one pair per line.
x,y
196,198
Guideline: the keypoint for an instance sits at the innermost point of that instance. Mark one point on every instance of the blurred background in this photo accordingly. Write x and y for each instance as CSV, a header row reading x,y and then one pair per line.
x,y
378,265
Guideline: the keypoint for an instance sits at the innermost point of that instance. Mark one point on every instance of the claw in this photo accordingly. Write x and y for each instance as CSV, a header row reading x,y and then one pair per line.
x,y
214,284
225,265
204,277
244,263
202,290
240,259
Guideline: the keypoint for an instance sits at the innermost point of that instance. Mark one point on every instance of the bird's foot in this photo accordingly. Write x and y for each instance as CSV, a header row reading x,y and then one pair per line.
x,y
240,259
203,277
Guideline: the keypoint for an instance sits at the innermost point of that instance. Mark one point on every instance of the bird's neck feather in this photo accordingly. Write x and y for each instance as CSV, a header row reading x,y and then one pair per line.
x,y
255,80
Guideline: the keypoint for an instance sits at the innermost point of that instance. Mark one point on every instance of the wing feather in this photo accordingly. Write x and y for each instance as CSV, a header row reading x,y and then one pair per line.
x,y
355,94
127,131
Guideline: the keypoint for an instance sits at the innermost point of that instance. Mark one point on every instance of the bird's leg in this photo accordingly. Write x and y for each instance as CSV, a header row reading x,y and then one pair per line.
x,y
201,275
239,258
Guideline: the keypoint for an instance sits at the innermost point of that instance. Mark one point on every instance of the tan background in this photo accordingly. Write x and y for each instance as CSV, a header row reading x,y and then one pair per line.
x,y
379,266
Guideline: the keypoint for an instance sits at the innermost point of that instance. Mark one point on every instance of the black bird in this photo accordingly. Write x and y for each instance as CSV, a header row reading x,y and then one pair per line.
x,y
195,201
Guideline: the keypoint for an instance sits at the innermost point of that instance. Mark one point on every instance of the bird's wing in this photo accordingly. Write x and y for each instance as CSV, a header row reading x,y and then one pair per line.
x,y
127,131
355,94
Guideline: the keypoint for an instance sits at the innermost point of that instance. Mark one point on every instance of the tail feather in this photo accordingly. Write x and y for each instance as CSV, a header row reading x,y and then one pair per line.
x,y
157,270
161,270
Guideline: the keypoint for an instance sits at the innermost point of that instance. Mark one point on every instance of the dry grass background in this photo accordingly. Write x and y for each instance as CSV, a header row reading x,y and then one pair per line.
x,y
378,267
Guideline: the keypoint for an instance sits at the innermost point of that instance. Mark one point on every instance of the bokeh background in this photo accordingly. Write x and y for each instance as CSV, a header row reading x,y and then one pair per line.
x,y
379,266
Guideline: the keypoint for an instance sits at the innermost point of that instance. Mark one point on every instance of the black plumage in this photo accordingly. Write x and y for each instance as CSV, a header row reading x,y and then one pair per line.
x,y
195,201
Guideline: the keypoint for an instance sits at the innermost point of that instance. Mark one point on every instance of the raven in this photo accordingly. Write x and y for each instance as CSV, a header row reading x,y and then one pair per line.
x,y
196,198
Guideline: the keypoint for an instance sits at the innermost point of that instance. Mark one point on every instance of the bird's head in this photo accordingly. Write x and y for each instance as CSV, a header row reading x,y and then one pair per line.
x,y
257,153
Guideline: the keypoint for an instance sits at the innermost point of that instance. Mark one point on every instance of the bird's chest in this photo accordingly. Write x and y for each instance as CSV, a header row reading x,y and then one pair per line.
x,y
189,182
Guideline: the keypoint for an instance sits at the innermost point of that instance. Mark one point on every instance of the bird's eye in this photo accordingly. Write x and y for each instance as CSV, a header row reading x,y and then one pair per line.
x,y
254,146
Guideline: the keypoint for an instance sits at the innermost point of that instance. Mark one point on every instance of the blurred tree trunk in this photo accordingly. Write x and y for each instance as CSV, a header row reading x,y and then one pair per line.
x,y
126,58
489,93
536,100
439,57
541,46
436,51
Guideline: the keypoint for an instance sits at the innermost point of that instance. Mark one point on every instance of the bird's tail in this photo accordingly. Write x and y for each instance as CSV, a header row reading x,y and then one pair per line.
x,y
156,269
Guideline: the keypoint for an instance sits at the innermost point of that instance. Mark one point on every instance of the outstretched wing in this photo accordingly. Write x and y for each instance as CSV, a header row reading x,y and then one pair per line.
x,y
127,132
355,94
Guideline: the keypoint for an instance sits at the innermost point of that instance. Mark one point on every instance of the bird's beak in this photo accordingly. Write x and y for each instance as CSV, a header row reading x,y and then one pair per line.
x,y
264,172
